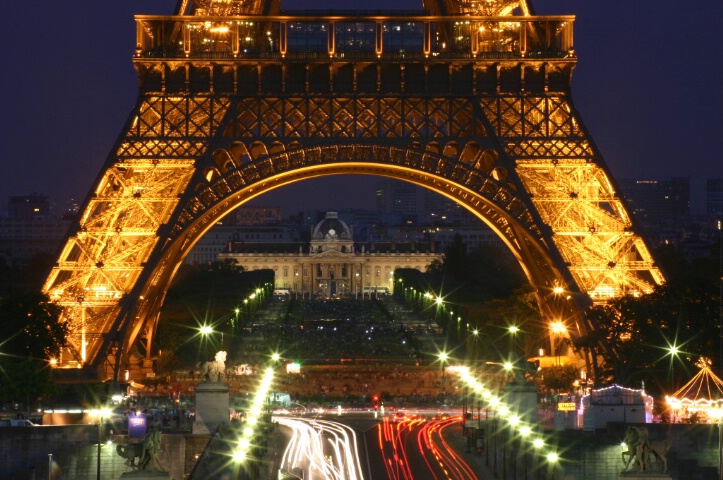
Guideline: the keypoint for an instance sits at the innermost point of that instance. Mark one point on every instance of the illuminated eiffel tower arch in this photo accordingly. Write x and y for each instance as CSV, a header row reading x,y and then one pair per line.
x,y
239,98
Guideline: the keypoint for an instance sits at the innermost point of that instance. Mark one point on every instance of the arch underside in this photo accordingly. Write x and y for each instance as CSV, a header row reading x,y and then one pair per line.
x,y
521,163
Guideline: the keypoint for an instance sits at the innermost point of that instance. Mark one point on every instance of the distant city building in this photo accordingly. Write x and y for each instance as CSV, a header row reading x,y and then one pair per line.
x,y
403,203
714,197
652,200
473,237
663,208
252,215
332,264
394,196
28,206
29,229
220,238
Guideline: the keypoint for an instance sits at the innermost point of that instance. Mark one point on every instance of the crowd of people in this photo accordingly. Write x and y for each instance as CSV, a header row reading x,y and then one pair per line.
x,y
346,348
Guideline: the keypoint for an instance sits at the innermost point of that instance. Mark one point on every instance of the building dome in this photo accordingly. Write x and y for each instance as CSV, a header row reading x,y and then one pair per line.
x,y
331,229
332,234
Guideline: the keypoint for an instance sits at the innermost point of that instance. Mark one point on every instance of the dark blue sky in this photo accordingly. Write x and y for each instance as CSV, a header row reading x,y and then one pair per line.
x,y
648,85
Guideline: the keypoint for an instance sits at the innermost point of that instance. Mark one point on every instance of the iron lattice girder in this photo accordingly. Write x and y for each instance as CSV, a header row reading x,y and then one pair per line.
x,y
592,229
118,230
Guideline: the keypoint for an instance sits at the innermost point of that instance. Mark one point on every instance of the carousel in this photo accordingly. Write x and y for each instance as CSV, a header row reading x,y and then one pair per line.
x,y
700,400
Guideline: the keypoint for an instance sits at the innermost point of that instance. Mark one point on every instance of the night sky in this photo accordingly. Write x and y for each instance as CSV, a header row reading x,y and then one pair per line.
x,y
648,85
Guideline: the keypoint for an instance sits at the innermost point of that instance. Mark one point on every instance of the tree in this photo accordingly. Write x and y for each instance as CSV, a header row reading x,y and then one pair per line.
x,y
633,334
31,334
30,326
560,378
492,318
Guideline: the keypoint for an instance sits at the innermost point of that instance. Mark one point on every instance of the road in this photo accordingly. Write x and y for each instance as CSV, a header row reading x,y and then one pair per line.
x,y
356,446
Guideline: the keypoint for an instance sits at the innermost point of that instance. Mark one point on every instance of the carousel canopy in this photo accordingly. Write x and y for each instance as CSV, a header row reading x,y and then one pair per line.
x,y
702,393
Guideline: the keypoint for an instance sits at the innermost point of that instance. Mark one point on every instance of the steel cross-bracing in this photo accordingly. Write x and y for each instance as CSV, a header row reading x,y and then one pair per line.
x,y
471,100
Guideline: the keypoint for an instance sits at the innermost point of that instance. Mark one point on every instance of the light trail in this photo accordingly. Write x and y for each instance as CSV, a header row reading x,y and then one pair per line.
x,y
440,459
431,436
392,439
324,450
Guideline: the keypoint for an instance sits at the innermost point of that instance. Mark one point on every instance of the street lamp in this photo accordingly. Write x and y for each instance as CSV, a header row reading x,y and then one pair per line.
x,y
673,351
475,333
552,459
558,328
524,433
513,329
101,413
443,358
494,403
206,330
538,443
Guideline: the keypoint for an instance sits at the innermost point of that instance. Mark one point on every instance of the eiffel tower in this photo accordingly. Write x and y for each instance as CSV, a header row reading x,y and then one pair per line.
x,y
470,99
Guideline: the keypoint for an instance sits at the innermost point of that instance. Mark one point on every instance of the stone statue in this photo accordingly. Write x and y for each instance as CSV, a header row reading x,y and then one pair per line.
x,y
146,452
214,371
641,448
523,371
150,449
130,451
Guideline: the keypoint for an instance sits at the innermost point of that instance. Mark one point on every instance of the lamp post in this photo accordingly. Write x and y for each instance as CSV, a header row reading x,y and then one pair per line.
x,y
443,358
524,433
514,421
475,333
205,332
673,351
494,403
513,329
558,328
101,413
552,459
538,443
439,304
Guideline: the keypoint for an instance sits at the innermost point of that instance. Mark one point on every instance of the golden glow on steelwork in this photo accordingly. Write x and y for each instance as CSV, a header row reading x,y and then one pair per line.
x,y
484,34
593,231
277,113
102,261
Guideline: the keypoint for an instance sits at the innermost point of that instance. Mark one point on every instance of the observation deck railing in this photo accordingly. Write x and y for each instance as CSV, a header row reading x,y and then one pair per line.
x,y
354,38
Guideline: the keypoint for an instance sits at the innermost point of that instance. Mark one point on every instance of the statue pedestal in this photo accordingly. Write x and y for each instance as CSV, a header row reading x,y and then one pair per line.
x,y
522,398
143,475
644,476
211,407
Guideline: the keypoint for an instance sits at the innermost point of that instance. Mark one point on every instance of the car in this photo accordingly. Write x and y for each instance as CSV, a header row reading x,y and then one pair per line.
x,y
398,417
